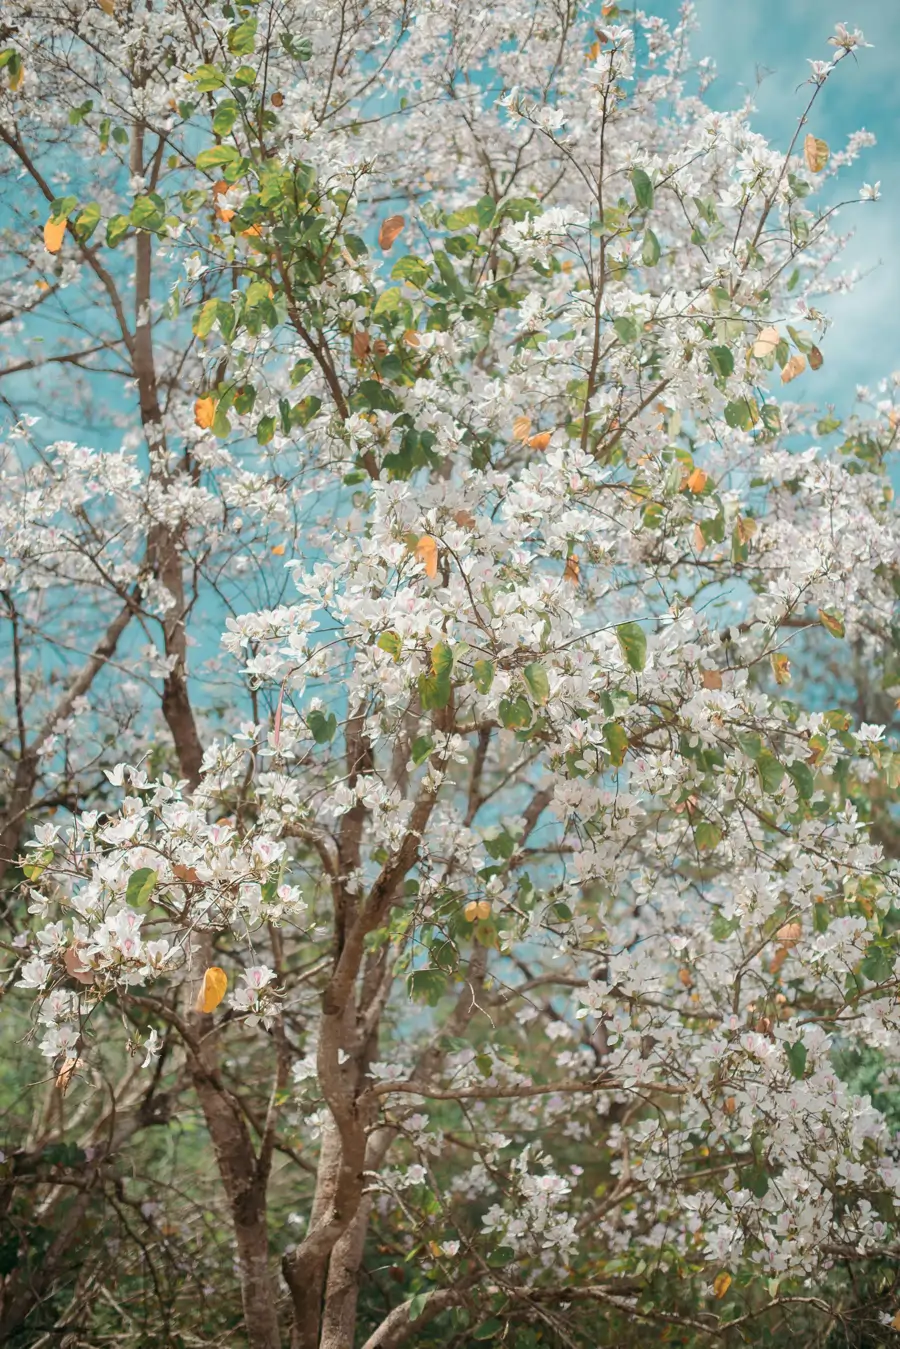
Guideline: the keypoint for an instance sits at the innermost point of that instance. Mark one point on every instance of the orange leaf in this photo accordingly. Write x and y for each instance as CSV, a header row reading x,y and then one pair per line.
x,y
789,935
483,908
224,213
815,358
277,99
711,679
766,342
108,6
278,550
427,552
541,440
186,874
54,233
412,338
795,366
521,427
722,1283
816,153
219,187
389,231
42,285
699,540
730,1105
360,345
212,990
781,668
471,911
253,232
697,481
573,569
72,962
205,411
65,1075
465,519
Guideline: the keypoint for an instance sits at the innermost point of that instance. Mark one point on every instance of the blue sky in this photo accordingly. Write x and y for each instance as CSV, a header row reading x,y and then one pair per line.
x,y
774,38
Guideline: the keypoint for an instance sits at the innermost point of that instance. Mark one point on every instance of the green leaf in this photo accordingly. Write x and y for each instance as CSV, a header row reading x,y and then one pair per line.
x,y
538,682
116,229
832,623
742,413
796,1057
207,79
226,116
633,644
626,329
148,212
421,749
515,713
61,207
751,744
392,643
721,360
322,726
771,772
265,431
707,836
217,156
204,318
650,252
427,986
87,221
803,778
483,675
441,660
242,39
411,269
616,741
434,691
141,885
643,189
300,48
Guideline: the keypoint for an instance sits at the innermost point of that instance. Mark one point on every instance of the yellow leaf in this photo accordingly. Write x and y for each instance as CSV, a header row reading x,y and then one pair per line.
x,y
781,668
54,233
521,428
795,366
745,529
205,411
896,1321
766,342
212,990
572,571
427,552
816,153
722,1283
697,481
108,6
483,908
540,441
42,285
712,679
278,550
471,911
389,231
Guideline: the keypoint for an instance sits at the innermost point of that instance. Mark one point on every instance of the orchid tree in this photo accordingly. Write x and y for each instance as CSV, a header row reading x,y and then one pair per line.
x,y
509,903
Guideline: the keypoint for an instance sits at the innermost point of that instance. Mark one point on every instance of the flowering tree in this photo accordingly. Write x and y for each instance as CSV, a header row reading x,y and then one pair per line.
x,y
497,900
